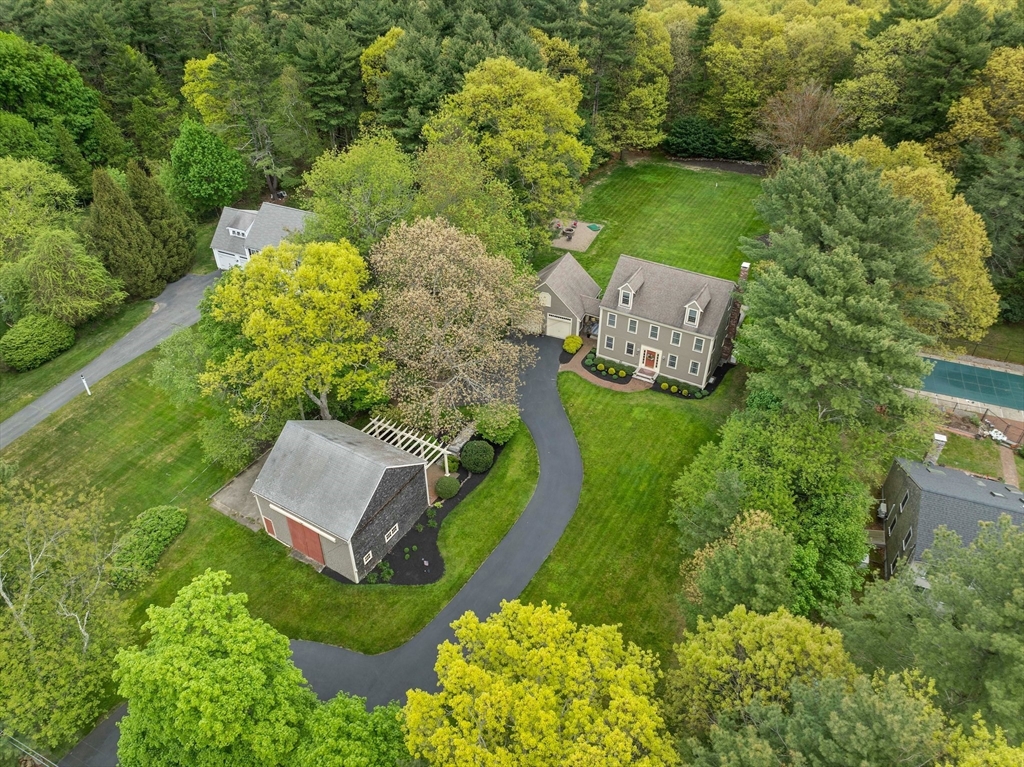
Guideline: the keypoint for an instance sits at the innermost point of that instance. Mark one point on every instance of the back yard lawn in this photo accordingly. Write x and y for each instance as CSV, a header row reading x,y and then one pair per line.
x,y
663,212
618,561
980,456
19,389
1003,342
130,439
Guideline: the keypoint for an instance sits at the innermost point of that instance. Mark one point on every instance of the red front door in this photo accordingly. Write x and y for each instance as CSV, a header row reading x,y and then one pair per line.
x,y
650,357
305,541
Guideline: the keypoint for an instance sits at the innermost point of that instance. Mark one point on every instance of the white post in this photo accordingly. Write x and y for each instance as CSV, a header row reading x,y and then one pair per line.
x,y
86,385
446,472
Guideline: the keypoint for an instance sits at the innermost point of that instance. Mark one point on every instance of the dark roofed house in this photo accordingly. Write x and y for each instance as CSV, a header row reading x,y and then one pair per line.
x,y
918,498
568,297
339,496
240,233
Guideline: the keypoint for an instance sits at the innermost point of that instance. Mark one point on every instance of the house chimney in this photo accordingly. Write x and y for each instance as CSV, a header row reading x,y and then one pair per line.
x,y
734,316
938,442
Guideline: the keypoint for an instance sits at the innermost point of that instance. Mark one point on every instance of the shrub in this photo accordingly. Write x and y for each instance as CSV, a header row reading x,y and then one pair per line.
x,y
453,464
419,527
604,373
414,548
686,392
408,555
664,386
611,371
387,572
600,366
372,578
34,340
477,456
622,374
406,549
698,394
140,547
572,344
674,389
496,422
447,487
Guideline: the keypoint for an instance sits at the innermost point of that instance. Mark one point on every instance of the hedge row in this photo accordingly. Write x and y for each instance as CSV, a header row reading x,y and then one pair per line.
x,y
140,547
34,340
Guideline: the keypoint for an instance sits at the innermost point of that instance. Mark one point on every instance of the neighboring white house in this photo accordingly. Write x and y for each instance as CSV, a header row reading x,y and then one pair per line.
x,y
240,233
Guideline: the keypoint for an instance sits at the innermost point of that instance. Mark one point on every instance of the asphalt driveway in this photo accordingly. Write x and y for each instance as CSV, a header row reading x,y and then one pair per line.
x,y
504,575
176,307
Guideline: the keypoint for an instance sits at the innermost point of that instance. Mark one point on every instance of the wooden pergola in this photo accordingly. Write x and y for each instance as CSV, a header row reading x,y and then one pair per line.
x,y
414,443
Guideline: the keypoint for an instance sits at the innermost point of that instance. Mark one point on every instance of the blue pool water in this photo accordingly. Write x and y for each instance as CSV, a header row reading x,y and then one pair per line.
x,y
992,387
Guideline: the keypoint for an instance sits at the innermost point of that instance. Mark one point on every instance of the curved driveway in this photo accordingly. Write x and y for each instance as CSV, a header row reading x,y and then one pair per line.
x,y
177,307
504,574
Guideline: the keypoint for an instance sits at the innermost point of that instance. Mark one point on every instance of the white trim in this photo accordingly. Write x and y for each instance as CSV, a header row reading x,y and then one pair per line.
x,y
630,349
635,325
696,322
672,365
654,332
691,371
625,298
545,299
907,537
643,356
701,349
391,533
672,338
606,340
367,557
301,521
611,319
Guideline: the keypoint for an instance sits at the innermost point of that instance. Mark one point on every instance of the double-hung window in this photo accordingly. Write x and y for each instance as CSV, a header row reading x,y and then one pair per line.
x,y
368,557
694,368
654,332
625,297
907,537
903,503
609,343
390,533
631,325
611,320
630,349
698,345
676,338
692,315
673,360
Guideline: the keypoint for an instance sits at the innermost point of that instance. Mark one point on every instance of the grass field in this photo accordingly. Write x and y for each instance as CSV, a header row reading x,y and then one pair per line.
x,y
129,439
618,561
1003,342
980,456
666,213
204,263
19,389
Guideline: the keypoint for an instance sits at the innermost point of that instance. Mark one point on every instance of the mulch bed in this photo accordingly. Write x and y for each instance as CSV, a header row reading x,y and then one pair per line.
x,y
747,167
719,375
615,379
564,356
413,571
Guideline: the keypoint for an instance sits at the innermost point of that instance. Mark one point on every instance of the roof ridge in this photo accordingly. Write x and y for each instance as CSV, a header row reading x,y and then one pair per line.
x,y
676,268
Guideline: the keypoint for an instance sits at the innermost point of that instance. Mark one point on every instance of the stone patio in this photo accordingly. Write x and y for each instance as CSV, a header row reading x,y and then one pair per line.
x,y
575,365
235,499
581,238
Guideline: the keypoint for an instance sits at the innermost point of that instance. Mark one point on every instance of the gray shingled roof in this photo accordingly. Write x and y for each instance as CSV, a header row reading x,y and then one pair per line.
x,y
666,291
269,225
959,501
571,283
327,472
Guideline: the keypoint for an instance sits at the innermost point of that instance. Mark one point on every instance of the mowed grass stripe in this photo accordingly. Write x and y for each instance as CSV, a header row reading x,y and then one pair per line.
x,y
618,561
666,213
130,440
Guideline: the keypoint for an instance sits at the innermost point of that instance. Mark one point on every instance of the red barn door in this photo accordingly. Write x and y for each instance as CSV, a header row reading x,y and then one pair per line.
x,y
305,541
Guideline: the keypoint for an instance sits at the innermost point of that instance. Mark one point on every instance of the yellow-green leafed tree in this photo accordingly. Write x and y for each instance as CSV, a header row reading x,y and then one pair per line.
x,y
957,260
741,658
302,310
530,688
526,127
373,64
983,748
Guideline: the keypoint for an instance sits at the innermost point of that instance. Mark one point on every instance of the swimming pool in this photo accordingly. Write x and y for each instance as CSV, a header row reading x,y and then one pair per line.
x,y
992,387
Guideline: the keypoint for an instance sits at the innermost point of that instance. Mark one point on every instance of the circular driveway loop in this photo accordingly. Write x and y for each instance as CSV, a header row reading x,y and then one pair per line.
x,y
503,575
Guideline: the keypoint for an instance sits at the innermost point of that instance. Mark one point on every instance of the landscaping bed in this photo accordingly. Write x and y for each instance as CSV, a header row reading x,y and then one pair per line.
x,y
674,388
606,370
416,559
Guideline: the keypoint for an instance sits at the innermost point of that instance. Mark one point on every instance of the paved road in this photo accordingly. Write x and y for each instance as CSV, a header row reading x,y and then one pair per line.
x,y
505,573
176,307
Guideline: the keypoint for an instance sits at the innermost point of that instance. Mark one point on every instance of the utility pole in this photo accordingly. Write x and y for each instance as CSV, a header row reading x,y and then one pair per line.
x,y
86,385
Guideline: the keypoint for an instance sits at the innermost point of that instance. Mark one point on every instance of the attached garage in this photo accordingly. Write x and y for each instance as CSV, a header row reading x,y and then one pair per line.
x,y
558,327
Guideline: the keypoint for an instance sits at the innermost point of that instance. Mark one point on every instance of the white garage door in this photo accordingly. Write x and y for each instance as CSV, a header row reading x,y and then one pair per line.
x,y
559,327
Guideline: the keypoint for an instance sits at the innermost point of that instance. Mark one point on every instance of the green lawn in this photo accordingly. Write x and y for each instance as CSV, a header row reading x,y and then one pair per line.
x,y
666,213
618,561
129,439
1002,342
19,389
980,456
204,263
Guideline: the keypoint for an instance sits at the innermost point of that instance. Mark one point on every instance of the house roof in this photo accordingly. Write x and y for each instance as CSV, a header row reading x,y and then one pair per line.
x,y
327,472
571,283
959,501
666,291
266,226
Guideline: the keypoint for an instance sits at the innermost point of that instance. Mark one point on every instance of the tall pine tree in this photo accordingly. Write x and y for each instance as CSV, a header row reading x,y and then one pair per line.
x,y
121,239
174,235
69,160
328,61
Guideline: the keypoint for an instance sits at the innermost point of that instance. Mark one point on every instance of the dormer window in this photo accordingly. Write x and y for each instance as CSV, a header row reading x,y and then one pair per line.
x,y
236,232
692,316
625,297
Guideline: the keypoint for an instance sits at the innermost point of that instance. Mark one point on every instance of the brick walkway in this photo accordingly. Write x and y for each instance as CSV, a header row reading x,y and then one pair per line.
x,y
1009,466
575,365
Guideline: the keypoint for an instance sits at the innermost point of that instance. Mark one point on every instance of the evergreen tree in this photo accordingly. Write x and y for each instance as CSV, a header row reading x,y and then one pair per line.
x,y
121,239
19,139
369,19
558,18
608,29
105,144
697,83
903,10
69,160
328,62
174,235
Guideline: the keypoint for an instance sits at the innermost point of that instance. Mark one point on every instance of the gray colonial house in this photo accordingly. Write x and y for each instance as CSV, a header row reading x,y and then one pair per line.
x,y
661,320
568,298
919,497
339,496
240,233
